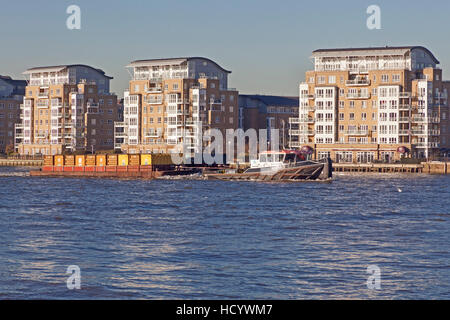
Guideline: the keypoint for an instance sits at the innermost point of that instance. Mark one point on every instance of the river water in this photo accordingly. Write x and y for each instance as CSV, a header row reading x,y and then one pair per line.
x,y
194,239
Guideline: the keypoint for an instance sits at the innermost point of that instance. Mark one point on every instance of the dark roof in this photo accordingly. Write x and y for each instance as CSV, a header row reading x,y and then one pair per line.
x,y
379,48
16,84
72,65
274,100
182,58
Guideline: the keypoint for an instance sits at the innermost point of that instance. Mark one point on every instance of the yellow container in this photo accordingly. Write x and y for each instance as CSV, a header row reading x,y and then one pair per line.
x,y
69,160
59,160
112,160
101,160
80,160
146,159
123,160
48,160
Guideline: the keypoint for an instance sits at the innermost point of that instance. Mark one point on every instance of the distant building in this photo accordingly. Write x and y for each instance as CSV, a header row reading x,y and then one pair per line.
x,y
67,108
367,104
267,112
168,99
11,97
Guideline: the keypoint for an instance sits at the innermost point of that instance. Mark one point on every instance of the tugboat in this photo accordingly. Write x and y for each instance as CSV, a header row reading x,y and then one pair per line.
x,y
285,165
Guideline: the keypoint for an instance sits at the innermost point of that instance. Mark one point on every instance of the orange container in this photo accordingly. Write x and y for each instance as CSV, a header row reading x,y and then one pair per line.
x,y
59,161
48,160
90,160
134,159
80,161
69,160
112,160
100,160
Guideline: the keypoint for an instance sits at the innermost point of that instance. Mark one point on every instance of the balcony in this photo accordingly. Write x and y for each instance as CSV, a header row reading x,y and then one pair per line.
x,y
403,119
120,134
403,95
405,107
306,120
427,145
358,82
154,89
295,144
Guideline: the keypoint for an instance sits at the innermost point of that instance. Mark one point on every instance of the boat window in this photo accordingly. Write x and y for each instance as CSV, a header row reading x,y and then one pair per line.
x,y
290,157
263,158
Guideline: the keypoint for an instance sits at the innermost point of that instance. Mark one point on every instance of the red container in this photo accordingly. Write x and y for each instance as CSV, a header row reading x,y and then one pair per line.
x,y
47,168
100,169
122,168
78,169
68,168
133,168
111,168
145,168
89,169
58,169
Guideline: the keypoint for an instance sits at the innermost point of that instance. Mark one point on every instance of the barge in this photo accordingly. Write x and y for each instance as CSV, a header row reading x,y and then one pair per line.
x,y
145,166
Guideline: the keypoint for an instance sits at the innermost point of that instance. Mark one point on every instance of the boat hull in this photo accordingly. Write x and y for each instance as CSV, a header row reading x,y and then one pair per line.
x,y
313,171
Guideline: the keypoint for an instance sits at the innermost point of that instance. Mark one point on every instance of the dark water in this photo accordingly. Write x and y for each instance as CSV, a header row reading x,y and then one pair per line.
x,y
225,240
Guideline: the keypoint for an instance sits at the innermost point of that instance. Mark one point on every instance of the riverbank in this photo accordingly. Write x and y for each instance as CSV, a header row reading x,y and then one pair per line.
x,y
433,167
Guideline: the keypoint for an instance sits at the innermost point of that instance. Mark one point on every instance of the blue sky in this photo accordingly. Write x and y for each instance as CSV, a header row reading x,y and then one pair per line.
x,y
266,44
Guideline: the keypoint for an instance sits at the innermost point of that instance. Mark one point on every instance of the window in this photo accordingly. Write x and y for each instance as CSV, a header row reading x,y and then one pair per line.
x,y
331,79
363,116
321,80
395,78
341,116
175,86
384,78
352,116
